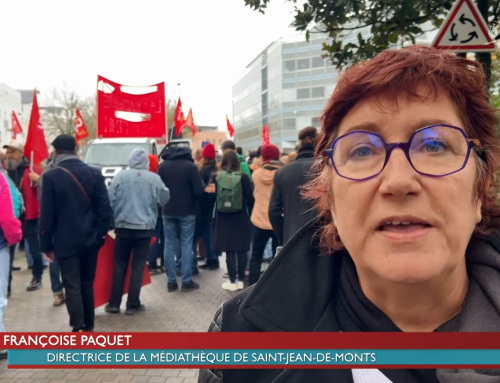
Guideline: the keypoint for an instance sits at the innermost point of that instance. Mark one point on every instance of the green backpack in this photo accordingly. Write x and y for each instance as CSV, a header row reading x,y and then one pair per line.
x,y
229,192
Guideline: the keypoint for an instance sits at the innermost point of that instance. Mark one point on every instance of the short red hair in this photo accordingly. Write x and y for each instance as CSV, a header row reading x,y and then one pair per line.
x,y
403,71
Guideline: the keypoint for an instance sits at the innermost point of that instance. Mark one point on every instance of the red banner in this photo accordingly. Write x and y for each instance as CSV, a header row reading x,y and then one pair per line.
x,y
122,114
81,131
104,274
16,126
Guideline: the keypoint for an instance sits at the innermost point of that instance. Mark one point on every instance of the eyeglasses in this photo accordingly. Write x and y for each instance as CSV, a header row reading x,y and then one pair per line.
x,y
434,151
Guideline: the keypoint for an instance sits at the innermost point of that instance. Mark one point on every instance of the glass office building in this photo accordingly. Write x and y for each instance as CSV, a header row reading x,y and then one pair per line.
x,y
286,87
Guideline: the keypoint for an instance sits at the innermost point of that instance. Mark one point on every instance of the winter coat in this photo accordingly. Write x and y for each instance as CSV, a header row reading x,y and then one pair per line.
x,y
21,179
244,166
136,193
180,175
232,232
10,227
288,211
263,186
17,198
207,202
69,222
303,291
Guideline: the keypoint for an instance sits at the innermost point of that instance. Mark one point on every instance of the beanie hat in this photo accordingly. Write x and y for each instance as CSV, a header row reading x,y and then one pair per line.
x,y
270,153
153,163
64,142
209,152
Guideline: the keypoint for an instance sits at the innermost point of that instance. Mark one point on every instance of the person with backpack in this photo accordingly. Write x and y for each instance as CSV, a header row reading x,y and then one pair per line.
x,y
231,226
229,145
262,230
10,233
74,219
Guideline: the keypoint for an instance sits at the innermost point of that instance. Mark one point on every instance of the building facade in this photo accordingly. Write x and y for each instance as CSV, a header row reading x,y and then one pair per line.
x,y
286,87
10,100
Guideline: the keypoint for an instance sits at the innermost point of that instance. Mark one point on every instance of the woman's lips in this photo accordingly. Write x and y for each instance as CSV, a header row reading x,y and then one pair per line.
x,y
403,233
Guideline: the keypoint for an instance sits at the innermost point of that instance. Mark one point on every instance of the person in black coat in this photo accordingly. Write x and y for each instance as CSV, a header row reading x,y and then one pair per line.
x,y
180,175
74,219
232,231
208,172
286,198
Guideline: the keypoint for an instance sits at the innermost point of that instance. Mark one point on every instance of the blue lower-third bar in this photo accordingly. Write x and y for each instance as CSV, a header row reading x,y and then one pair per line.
x,y
252,357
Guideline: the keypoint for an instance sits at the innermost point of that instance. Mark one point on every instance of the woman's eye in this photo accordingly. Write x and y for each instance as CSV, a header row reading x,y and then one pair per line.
x,y
360,152
434,146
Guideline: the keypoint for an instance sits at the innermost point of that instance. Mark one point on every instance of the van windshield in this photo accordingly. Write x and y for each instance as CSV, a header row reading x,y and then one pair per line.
x,y
112,154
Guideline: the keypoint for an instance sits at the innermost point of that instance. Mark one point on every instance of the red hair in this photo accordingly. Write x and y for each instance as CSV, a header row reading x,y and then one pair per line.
x,y
399,72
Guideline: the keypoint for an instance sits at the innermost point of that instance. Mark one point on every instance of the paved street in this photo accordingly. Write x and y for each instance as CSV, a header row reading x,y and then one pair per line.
x,y
33,311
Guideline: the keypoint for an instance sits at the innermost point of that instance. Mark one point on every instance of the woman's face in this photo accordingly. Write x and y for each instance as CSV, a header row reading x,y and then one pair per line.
x,y
416,253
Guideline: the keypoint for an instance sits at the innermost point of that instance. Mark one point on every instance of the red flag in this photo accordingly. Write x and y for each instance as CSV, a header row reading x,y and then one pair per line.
x,y
16,126
265,136
230,128
36,146
81,131
190,122
179,119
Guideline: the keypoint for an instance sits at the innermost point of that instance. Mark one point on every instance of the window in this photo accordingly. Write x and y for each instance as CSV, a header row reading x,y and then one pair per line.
x,y
318,92
289,124
303,64
303,93
264,104
316,122
318,62
264,78
289,66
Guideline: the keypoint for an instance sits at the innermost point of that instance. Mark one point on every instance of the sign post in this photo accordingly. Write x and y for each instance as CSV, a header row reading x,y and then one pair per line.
x,y
464,30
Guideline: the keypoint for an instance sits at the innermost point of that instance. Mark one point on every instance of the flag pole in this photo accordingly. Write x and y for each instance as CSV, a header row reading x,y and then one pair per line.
x,y
31,165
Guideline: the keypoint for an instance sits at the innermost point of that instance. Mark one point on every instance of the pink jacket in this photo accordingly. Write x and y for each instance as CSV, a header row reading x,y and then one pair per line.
x,y
10,226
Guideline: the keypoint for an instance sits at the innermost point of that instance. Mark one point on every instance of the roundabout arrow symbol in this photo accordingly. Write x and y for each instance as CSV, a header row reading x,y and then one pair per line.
x,y
464,19
454,35
471,36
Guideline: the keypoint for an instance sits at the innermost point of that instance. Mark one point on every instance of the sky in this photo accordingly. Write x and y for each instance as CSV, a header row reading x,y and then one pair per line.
x,y
202,44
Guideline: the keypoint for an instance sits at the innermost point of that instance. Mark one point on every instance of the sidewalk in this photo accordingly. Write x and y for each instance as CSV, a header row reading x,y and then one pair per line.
x,y
193,311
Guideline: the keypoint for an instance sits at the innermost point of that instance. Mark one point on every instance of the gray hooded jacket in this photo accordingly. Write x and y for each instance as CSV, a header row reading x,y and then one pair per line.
x,y
136,193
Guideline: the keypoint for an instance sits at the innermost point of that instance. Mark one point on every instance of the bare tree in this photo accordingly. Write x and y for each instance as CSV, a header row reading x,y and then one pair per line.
x,y
89,114
59,114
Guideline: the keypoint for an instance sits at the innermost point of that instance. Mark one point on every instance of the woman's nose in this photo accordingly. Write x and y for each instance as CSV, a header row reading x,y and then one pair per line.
x,y
399,178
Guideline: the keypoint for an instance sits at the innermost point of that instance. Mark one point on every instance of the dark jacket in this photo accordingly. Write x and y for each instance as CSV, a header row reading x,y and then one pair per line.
x,y
70,225
319,299
21,179
180,175
232,232
207,202
286,199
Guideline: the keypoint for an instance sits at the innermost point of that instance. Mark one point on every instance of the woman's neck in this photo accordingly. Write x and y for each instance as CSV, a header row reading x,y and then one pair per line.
x,y
419,307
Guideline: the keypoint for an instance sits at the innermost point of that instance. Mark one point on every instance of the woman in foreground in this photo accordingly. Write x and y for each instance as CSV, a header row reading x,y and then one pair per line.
x,y
406,193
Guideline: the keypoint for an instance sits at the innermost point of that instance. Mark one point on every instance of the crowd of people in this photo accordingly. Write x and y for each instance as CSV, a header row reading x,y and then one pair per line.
x,y
166,214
